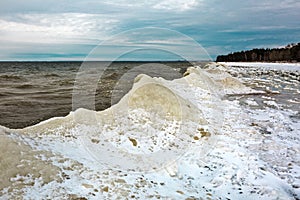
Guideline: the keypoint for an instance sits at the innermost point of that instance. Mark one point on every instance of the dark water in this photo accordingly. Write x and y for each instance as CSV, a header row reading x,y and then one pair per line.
x,y
31,92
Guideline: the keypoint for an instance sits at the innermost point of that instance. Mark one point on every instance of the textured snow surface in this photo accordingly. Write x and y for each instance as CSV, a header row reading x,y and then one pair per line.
x,y
180,139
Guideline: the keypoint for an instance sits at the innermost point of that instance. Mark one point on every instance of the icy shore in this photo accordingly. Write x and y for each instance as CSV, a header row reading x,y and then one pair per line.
x,y
180,139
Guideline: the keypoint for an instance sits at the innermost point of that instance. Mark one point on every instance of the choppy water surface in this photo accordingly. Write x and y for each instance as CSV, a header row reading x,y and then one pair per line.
x,y
31,92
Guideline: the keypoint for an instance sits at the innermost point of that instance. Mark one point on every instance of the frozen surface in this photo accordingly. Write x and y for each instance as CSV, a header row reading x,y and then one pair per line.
x,y
278,66
217,133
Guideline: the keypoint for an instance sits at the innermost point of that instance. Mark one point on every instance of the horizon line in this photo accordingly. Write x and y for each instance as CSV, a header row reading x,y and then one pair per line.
x,y
106,61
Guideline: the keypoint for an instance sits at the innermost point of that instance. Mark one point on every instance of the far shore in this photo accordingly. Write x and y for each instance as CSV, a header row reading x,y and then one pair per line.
x,y
284,62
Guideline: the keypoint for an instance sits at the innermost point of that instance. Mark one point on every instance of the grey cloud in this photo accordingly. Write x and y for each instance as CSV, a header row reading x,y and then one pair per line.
x,y
221,26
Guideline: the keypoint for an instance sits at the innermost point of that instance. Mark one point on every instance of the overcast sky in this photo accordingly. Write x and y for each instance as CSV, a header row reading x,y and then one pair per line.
x,y
70,29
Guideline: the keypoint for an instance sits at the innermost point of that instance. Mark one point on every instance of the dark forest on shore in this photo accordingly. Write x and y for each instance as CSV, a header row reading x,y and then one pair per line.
x,y
290,53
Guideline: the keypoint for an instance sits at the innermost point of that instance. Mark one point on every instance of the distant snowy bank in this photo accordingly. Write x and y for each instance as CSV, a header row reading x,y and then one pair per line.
x,y
277,66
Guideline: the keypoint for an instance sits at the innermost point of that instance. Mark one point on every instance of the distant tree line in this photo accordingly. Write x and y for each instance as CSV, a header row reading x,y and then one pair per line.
x,y
290,53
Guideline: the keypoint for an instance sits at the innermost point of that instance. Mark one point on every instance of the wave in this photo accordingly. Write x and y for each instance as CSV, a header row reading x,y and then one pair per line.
x,y
168,99
24,86
11,77
160,128
51,75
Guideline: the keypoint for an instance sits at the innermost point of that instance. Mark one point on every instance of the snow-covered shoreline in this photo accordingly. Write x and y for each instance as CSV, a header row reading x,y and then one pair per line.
x,y
265,65
231,150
